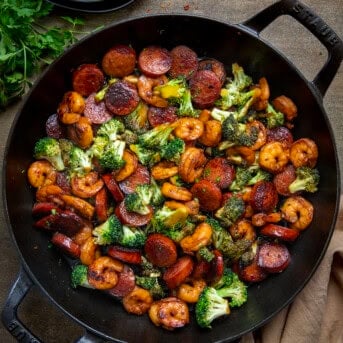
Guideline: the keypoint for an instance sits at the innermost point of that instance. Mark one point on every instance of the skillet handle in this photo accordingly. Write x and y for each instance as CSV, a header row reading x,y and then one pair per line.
x,y
9,313
309,19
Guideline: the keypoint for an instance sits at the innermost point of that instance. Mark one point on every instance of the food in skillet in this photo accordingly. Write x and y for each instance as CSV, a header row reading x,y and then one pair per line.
x,y
172,184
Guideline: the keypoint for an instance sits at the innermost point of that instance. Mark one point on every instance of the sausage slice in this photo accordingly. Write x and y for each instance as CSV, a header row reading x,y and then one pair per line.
x,y
184,62
154,61
96,112
214,65
273,257
208,194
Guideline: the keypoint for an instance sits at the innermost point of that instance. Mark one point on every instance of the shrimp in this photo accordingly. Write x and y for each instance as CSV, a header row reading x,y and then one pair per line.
x,y
189,292
175,192
261,218
201,237
304,152
262,134
41,173
262,102
298,212
285,105
170,313
205,115
83,234
89,250
138,301
241,155
131,164
243,229
212,134
81,132
191,164
188,129
71,107
86,186
146,91
103,272
83,207
164,170
273,157
50,193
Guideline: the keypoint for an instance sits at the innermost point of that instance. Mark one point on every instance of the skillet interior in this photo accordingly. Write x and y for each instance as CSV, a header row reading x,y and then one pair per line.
x,y
208,38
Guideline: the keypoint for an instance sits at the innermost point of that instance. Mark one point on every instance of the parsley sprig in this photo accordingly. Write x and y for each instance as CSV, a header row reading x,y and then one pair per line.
x,y
26,45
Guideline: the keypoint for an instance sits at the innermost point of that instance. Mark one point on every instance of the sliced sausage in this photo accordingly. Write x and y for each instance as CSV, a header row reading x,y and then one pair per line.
x,y
201,270
283,179
220,172
252,272
280,134
87,79
161,115
126,283
140,177
184,62
102,205
66,244
208,194
113,186
214,65
216,267
63,181
44,208
96,112
54,128
205,88
154,61
178,272
263,197
119,61
132,218
131,256
273,257
280,232
121,98
160,250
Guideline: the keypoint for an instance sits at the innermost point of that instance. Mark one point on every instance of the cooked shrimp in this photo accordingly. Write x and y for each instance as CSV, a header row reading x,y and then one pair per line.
x,y
205,115
164,170
103,272
273,157
83,207
86,186
261,218
262,134
41,173
50,193
71,107
138,301
285,105
192,163
201,237
170,313
146,86
189,129
89,251
298,212
212,134
243,229
304,152
83,234
262,102
176,192
241,155
81,132
190,291
131,164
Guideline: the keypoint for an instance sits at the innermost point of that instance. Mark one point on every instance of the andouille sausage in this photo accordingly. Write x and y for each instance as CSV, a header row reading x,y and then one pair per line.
x,y
219,171
208,194
96,112
154,61
205,88
119,61
273,257
63,181
214,65
280,134
66,244
126,283
178,272
113,186
140,177
101,205
87,79
283,179
131,256
217,267
264,197
161,115
44,208
54,128
280,232
252,272
132,218
184,62
121,98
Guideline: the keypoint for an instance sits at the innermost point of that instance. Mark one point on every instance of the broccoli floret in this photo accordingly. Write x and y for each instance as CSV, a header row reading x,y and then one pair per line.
x,y
206,254
232,210
173,149
48,148
79,276
147,157
274,118
98,146
307,179
129,137
137,120
111,129
156,137
152,284
186,107
148,269
209,307
157,197
132,237
248,176
80,162
110,231
139,201
240,79
112,156
66,145
257,175
230,286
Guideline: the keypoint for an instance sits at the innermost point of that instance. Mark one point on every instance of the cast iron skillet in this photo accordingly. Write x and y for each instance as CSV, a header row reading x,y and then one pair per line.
x,y
102,317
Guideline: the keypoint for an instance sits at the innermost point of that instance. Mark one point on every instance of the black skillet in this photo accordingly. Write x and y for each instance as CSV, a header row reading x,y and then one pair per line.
x,y
102,317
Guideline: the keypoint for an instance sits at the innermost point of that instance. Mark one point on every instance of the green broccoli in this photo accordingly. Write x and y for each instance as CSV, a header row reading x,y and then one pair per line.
x,y
79,276
129,137
157,197
80,162
48,148
273,118
209,307
111,129
98,146
230,286
156,137
132,237
148,269
232,210
206,254
137,121
66,145
248,176
151,284
173,149
147,157
307,179
110,231
112,156
186,107
139,201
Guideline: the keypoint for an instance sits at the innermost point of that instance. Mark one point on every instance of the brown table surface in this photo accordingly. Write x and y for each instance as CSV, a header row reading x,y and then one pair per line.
x,y
285,34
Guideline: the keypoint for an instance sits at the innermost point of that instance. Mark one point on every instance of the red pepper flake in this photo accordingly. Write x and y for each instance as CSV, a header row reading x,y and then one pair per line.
x,y
186,7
